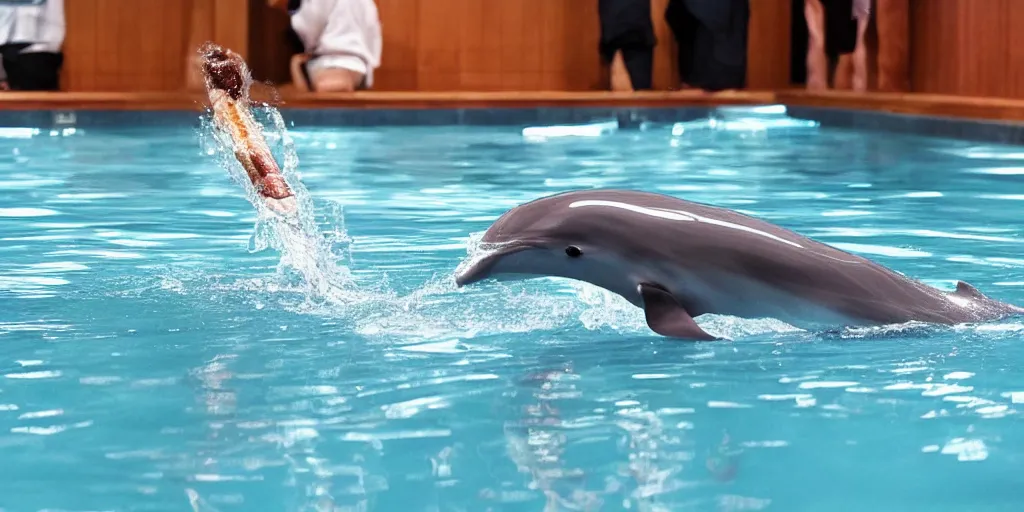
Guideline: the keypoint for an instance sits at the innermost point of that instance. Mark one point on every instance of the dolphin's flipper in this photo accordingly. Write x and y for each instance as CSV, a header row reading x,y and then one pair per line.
x,y
667,317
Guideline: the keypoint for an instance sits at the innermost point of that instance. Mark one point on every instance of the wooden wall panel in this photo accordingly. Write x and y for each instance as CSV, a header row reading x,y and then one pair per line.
x,y
508,45
967,47
231,24
982,52
513,45
133,45
892,45
768,44
1014,76
429,45
121,45
269,53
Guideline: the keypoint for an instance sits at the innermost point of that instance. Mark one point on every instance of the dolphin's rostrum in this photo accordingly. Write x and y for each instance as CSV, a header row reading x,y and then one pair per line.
x,y
678,260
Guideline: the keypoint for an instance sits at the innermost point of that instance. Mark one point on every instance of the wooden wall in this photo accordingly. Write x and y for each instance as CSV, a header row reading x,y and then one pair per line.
x,y
141,45
768,44
478,45
968,47
120,45
430,45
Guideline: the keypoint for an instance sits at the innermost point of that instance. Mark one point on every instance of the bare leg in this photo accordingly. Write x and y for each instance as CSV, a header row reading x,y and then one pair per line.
x,y
817,61
336,80
843,78
295,66
619,75
860,57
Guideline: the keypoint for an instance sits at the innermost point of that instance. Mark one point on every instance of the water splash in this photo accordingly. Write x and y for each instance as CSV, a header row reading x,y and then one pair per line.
x,y
309,261
306,253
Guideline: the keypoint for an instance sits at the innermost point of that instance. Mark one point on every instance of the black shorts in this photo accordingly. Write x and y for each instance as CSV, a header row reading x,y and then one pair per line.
x,y
32,71
626,27
624,24
840,27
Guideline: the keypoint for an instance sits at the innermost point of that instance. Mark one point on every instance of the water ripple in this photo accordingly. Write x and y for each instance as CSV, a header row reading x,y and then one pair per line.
x,y
160,352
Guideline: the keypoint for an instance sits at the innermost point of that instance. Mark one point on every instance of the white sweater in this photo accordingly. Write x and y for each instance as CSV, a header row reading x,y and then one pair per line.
x,y
345,32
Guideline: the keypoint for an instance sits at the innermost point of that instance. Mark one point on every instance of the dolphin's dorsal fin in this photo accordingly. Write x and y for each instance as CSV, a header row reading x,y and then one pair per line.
x,y
965,290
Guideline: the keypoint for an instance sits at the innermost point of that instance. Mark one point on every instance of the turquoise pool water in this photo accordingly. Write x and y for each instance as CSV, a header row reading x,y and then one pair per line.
x,y
158,358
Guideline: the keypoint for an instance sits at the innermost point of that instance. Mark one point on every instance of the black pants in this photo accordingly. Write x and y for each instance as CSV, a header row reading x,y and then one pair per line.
x,y
712,41
711,35
626,27
33,71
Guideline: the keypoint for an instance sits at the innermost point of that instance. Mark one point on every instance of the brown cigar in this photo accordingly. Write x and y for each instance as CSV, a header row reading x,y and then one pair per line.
x,y
227,84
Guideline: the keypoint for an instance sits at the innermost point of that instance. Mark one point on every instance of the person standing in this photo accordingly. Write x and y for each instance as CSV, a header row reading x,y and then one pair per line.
x,y
836,30
711,36
627,42
31,41
341,40
712,42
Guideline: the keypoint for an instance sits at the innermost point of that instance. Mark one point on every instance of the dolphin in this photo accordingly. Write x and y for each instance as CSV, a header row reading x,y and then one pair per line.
x,y
678,260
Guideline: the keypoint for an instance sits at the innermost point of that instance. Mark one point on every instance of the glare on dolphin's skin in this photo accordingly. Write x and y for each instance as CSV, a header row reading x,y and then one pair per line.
x,y
678,260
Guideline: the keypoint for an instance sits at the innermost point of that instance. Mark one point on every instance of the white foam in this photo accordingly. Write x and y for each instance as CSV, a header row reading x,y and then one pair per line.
x,y
958,375
966,450
34,375
945,389
27,212
775,398
1016,397
714,404
827,384
653,376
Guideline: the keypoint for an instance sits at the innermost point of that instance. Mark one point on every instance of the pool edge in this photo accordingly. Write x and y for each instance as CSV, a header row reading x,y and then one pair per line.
x,y
977,119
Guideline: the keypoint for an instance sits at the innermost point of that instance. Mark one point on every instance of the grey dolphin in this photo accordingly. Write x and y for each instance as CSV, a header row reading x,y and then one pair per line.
x,y
678,260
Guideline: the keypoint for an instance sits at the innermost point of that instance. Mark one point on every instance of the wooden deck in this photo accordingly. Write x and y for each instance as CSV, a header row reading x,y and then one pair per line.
x,y
919,104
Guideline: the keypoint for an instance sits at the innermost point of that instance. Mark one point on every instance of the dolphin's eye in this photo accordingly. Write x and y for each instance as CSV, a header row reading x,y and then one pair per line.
x,y
573,251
